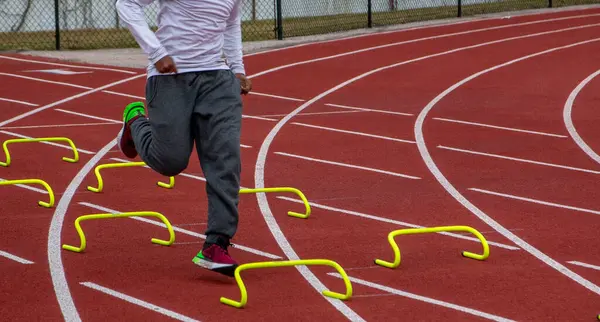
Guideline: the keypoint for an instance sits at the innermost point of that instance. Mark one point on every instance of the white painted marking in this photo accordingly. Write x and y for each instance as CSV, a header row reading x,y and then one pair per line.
x,y
397,44
433,25
369,110
277,96
68,99
536,201
66,65
88,116
53,126
28,187
57,271
423,298
70,85
68,147
191,224
567,118
518,159
46,81
395,222
353,132
138,302
17,101
259,169
258,118
15,258
348,165
585,265
499,127
181,174
141,98
57,71
318,113
464,201
113,121
179,230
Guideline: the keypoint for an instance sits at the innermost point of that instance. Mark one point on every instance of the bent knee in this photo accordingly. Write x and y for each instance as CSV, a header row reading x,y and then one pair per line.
x,y
170,166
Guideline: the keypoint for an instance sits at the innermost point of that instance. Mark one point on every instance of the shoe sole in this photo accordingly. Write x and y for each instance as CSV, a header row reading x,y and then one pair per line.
x,y
225,269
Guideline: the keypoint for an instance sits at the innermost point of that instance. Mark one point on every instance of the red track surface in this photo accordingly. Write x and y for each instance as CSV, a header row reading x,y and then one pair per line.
x,y
512,283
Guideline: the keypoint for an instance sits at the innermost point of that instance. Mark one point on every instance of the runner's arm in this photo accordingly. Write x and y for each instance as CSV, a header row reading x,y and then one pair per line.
x,y
132,14
233,40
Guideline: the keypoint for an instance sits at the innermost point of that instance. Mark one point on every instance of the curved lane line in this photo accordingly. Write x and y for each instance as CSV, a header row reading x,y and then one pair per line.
x,y
569,120
259,173
431,165
59,280
277,68
57,270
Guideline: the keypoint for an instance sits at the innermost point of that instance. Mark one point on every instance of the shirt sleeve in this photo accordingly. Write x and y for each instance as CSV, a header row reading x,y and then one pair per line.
x,y
132,14
232,46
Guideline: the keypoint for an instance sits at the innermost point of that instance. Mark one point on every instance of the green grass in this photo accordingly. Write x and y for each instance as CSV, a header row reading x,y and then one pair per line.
x,y
265,29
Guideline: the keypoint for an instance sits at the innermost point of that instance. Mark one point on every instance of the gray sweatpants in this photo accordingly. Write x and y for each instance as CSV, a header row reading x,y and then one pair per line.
x,y
200,107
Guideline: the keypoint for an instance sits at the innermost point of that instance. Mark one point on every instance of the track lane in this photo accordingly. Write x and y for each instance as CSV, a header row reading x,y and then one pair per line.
x,y
495,53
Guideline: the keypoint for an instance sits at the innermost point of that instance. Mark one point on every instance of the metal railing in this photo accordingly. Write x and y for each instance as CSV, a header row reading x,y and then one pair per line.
x,y
92,24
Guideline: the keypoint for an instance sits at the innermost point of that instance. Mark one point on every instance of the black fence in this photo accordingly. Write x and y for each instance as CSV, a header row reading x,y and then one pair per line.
x,y
92,24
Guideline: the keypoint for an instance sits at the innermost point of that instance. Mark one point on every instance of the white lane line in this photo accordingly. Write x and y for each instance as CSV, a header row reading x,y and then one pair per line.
x,y
57,270
68,99
395,222
353,132
191,176
435,171
70,85
368,109
183,174
179,230
53,126
430,26
259,169
258,118
15,258
568,120
68,147
67,65
317,113
584,265
88,116
536,201
347,165
278,96
113,121
138,302
403,43
45,81
499,127
518,159
423,298
32,188
17,101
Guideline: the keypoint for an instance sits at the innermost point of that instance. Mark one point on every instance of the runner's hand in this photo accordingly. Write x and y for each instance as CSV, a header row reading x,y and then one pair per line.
x,y
166,65
245,82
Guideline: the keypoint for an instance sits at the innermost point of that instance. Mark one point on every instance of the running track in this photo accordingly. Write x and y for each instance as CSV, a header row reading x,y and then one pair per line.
x,y
489,123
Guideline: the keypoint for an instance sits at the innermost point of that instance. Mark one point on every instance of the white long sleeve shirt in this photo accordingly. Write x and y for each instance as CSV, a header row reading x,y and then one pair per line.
x,y
195,33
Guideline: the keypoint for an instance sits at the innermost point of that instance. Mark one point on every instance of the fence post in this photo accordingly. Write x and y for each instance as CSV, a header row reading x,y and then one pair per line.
x,y
370,13
279,20
56,25
460,8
